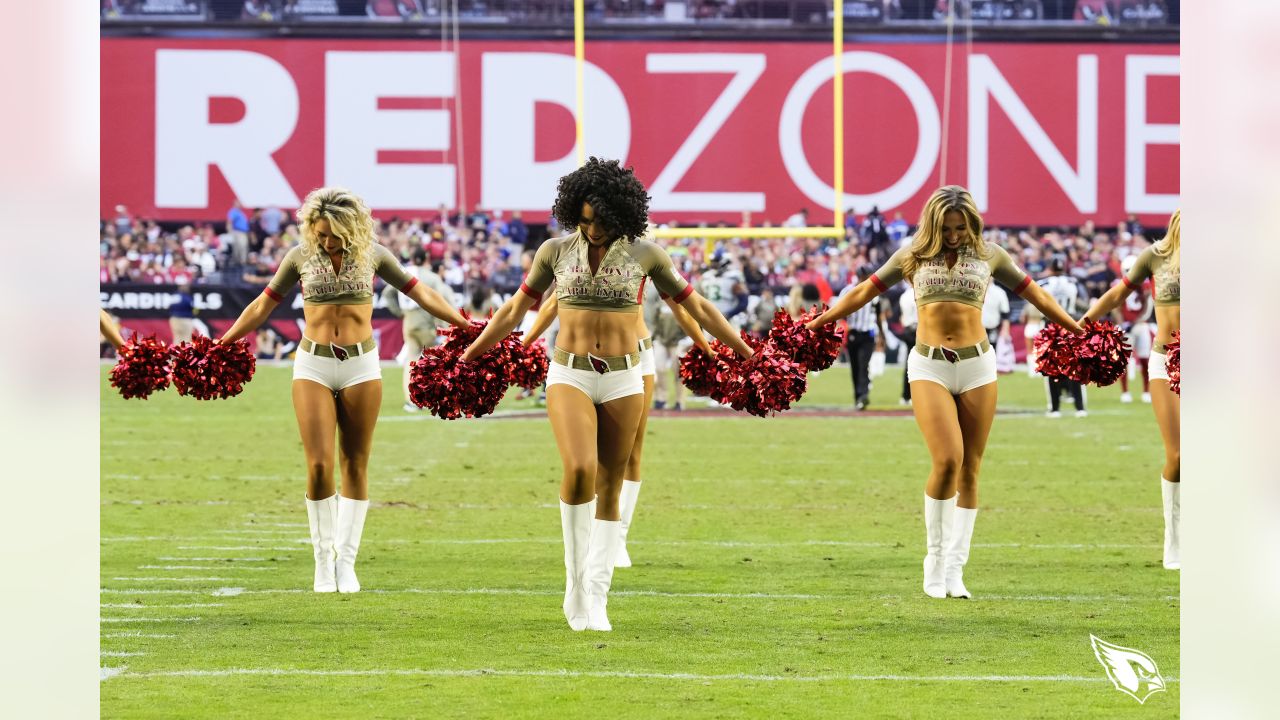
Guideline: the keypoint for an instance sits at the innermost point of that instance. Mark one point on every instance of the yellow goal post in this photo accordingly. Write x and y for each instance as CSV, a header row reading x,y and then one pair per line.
x,y
836,230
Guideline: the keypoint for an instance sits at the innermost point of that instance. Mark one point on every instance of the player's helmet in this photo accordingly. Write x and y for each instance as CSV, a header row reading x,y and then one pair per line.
x,y
1127,264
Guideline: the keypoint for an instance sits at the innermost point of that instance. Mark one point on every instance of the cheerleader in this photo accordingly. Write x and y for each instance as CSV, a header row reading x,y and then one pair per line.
x,y
648,368
1160,262
952,366
337,380
595,385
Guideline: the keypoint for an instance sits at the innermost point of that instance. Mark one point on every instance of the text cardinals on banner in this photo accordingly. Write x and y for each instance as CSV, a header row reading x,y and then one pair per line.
x,y
1043,133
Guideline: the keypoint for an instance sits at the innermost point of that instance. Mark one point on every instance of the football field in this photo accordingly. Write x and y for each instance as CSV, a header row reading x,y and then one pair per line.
x,y
777,567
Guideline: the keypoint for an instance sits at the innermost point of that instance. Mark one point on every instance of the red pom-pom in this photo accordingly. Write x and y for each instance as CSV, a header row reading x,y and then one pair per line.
x,y
441,381
1103,353
766,383
698,372
1055,348
207,370
529,365
814,349
143,368
1173,362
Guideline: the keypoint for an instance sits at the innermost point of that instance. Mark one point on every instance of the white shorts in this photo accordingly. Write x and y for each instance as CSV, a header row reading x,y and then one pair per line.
x,y
337,374
957,377
1030,329
1141,337
1158,367
601,388
647,364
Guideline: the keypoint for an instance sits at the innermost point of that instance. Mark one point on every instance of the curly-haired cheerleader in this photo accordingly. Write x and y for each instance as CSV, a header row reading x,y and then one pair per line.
x,y
1162,263
595,389
337,381
648,368
952,366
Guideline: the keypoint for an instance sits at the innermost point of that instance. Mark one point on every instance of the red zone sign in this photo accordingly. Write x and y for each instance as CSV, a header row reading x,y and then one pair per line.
x,y
1042,133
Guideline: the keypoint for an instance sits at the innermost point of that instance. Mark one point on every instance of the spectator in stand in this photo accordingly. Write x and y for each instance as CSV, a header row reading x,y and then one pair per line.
x,y
875,234
204,260
517,230
273,219
238,232
479,220
1132,226
124,223
1098,12
898,230
763,312
800,219
943,8
1027,10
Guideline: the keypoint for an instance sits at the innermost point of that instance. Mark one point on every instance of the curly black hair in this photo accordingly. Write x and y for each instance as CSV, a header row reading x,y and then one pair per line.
x,y
618,198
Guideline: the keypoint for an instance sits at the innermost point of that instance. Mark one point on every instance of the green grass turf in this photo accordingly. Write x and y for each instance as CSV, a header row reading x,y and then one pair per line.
x,y
777,568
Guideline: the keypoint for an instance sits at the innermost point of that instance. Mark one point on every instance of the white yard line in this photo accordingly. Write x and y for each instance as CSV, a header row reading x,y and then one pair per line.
x,y
206,567
277,524
637,542
107,653
148,620
729,677
150,591
246,531
218,559
255,548
136,606
172,579
155,636
234,591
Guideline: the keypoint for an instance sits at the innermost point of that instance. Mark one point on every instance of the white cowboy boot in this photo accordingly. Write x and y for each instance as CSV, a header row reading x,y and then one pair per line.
x,y
958,550
1171,492
350,526
322,516
627,507
604,548
937,521
575,524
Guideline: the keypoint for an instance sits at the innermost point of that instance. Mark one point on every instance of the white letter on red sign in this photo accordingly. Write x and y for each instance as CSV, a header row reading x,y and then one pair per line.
x,y
1138,133
746,69
514,83
355,129
187,143
791,141
1081,186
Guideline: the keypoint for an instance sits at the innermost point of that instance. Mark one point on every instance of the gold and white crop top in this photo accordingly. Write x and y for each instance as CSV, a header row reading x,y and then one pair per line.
x,y
1168,283
965,282
351,285
616,286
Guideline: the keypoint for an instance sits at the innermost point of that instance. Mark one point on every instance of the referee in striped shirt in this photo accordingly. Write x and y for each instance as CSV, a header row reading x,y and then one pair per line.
x,y
866,335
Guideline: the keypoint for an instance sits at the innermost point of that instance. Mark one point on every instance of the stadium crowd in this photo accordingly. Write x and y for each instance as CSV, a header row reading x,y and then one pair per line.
x,y
488,252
